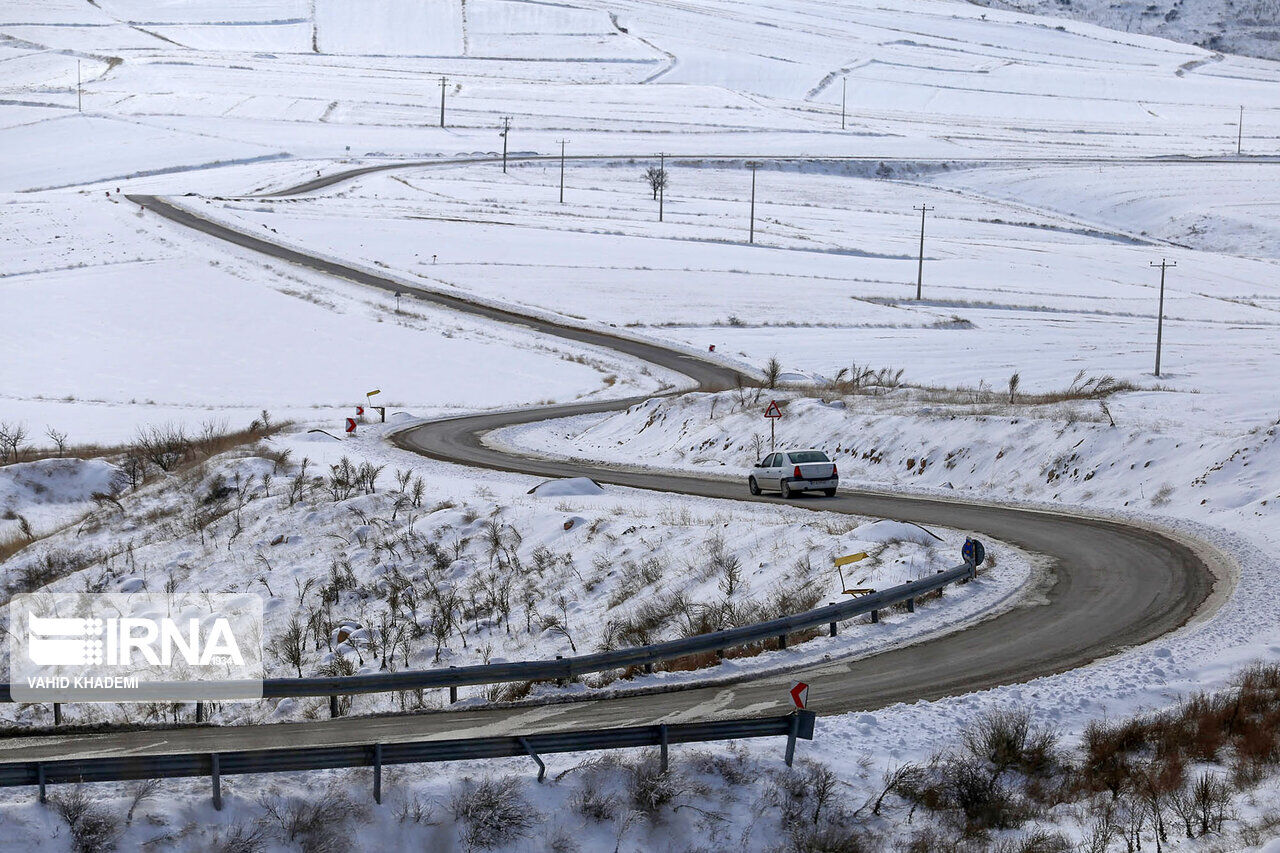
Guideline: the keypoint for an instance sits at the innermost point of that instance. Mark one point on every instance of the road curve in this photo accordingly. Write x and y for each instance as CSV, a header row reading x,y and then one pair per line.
x,y
1108,585
332,179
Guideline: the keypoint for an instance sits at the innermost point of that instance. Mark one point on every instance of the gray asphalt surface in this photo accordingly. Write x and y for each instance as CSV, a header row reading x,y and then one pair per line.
x,y
1108,585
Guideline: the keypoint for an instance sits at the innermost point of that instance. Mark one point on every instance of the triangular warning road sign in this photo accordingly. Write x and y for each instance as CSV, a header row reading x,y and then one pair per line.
x,y
773,411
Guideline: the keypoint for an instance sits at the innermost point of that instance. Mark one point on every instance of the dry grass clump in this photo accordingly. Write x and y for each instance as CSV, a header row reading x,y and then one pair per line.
x,y
1129,779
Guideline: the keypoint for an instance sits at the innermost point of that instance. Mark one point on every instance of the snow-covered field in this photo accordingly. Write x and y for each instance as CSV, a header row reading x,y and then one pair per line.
x,y
112,320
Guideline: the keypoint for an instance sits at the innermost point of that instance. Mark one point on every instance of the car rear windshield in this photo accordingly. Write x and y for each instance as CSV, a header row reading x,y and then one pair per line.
x,y
808,456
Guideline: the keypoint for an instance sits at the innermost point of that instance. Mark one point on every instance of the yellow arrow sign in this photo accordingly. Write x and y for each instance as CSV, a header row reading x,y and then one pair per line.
x,y
371,393
851,558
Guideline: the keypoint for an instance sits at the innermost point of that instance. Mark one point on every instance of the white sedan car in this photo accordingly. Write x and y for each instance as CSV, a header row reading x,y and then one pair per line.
x,y
795,471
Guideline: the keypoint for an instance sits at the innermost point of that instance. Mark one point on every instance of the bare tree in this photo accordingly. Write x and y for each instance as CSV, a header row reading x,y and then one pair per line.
x,y
288,646
11,438
657,178
59,440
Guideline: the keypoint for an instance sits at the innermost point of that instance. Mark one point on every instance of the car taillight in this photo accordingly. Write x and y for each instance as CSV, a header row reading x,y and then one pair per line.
x,y
797,473
835,472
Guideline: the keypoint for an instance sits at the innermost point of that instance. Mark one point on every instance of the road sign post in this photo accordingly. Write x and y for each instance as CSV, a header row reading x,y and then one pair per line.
x,y
772,412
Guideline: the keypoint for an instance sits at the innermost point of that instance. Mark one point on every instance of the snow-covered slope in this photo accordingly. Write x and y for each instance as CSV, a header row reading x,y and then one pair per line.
x,y
1249,27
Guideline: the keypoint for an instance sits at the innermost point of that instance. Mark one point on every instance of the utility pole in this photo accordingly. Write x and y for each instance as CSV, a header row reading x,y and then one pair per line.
x,y
1163,265
844,87
1239,136
562,143
753,166
442,82
662,183
924,208
506,128
80,98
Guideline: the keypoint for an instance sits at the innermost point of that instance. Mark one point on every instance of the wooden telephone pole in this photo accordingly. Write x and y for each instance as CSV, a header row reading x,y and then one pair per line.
x,y
924,208
1163,265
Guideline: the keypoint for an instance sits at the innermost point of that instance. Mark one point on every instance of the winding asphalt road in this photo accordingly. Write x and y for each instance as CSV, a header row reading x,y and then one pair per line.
x,y
1106,585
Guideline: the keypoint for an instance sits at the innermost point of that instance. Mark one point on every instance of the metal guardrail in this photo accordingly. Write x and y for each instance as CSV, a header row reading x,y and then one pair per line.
x,y
566,668
376,755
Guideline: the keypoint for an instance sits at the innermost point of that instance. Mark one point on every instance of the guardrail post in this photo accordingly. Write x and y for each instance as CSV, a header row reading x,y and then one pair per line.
x,y
648,668
792,733
833,624
377,773
782,641
57,713
720,654
560,682
911,605
662,745
875,617
216,773
333,706
542,768
453,691
199,712
40,779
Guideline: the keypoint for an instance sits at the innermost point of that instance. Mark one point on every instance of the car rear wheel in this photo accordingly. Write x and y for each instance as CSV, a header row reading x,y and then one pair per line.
x,y
753,485
831,493
786,490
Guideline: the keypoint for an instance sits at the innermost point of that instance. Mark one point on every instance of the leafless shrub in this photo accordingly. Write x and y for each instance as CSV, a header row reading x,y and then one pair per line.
x,y
94,828
1008,739
165,447
289,646
142,790
904,781
594,803
723,563
492,812
50,566
1204,805
315,821
650,789
1015,380
241,838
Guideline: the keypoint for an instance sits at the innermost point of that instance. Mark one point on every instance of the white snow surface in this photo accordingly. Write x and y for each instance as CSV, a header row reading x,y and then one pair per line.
x,y
111,319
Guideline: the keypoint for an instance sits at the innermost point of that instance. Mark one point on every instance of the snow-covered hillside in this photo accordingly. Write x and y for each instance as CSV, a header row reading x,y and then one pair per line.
x,y
1248,27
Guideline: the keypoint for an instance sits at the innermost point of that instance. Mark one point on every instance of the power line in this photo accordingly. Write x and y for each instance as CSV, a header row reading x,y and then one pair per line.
x,y
924,208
